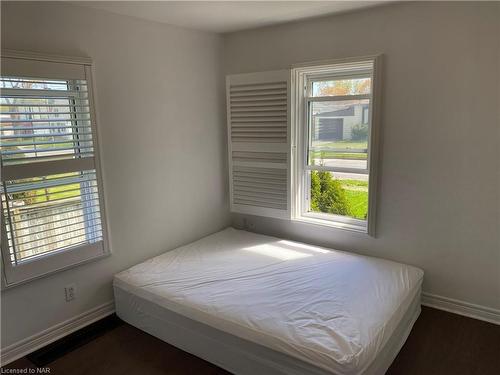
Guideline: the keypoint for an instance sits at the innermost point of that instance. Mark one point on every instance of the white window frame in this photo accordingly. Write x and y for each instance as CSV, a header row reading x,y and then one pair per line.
x,y
301,75
33,64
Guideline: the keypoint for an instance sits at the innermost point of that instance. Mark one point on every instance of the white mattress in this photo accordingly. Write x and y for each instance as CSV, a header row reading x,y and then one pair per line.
x,y
332,309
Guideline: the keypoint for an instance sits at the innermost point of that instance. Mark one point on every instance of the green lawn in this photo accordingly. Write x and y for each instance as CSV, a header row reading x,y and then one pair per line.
x,y
357,196
355,184
347,145
50,193
58,192
338,155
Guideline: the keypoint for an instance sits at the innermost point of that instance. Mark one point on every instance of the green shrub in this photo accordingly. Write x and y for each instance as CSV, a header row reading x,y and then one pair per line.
x,y
327,195
359,132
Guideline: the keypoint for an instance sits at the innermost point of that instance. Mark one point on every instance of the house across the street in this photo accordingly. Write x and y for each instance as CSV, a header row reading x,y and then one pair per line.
x,y
337,124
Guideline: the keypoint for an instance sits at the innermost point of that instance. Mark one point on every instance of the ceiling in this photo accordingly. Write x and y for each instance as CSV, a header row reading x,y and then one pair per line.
x,y
227,16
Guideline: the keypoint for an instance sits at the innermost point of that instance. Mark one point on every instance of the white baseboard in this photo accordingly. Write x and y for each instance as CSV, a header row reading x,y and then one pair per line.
x,y
39,340
462,308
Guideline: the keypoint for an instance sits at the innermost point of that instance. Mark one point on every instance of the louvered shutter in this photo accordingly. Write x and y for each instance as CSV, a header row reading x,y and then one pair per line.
x,y
258,142
52,204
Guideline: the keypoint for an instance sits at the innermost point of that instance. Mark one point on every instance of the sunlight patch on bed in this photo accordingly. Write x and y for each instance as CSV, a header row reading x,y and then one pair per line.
x,y
302,246
276,251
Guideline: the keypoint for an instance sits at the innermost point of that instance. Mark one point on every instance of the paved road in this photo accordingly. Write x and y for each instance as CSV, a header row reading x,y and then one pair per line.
x,y
345,163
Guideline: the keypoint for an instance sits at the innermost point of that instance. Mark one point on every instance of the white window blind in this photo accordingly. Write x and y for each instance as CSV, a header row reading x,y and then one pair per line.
x,y
258,134
52,204
44,119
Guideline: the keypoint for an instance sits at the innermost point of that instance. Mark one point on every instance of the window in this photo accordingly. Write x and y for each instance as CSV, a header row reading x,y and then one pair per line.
x,y
52,204
334,144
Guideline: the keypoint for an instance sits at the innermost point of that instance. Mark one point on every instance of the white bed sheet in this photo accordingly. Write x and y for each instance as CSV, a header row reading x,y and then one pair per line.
x,y
329,308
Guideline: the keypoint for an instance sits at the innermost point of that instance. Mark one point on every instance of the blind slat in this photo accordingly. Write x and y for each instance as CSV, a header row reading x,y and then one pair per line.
x,y
45,127
28,105
62,210
69,229
35,120
49,149
76,142
41,135
37,227
59,241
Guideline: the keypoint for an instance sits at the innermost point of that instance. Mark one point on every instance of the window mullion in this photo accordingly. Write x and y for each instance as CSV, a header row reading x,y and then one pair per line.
x,y
21,171
323,168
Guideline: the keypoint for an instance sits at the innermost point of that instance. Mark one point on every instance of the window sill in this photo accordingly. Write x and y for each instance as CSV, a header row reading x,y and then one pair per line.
x,y
352,226
49,265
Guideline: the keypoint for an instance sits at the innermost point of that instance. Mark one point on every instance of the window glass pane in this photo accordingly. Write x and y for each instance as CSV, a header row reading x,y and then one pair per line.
x,y
338,133
50,213
340,87
44,120
343,194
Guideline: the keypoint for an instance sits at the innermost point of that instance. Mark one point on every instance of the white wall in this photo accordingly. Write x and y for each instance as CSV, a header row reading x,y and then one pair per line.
x,y
161,107
439,196
161,112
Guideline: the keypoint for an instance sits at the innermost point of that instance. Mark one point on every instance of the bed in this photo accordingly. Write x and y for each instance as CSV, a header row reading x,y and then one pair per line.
x,y
254,304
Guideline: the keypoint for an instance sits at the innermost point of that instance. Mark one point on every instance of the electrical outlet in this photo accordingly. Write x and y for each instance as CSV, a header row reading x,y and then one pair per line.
x,y
250,225
70,292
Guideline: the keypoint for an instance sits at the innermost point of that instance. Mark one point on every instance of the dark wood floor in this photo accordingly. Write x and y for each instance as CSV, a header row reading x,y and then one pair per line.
x,y
440,343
